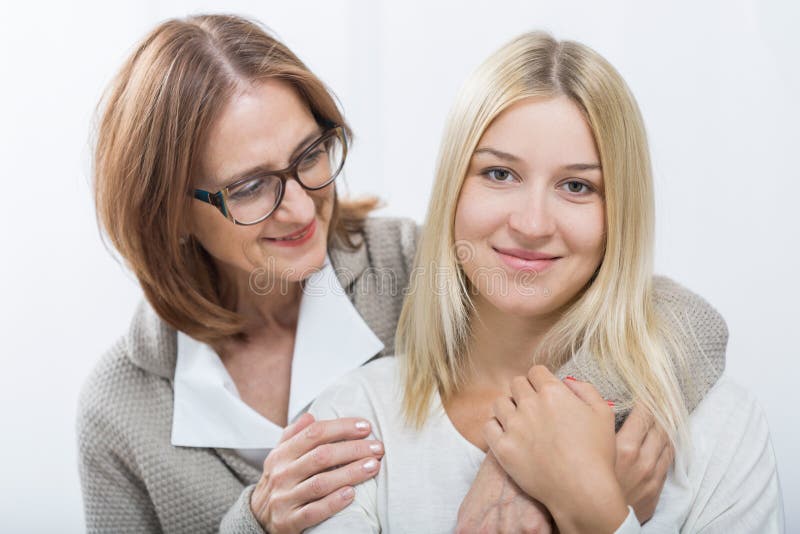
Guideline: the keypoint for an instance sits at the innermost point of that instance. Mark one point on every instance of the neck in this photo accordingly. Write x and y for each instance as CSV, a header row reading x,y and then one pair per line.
x,y
274,308
502,345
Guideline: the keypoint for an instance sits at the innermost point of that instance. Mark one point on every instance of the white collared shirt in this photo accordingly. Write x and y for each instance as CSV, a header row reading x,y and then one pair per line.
x,y
331,340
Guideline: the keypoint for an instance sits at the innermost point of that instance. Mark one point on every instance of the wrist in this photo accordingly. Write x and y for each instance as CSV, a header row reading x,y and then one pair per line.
x,y
599,509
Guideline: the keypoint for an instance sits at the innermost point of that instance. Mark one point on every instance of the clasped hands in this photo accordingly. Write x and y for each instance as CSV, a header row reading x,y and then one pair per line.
x,y
555,462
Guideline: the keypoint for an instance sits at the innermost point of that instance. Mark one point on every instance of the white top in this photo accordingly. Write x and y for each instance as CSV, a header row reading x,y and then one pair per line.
x,y
331,340
730,486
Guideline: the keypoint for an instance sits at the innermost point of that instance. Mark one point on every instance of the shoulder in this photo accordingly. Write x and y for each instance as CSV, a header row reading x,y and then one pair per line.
x,y
371,391
390,241
700,332
729,410
675,301
732,467
729,431
120,403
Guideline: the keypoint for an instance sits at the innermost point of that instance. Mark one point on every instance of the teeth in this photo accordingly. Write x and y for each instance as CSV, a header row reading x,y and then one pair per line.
x,y
295,238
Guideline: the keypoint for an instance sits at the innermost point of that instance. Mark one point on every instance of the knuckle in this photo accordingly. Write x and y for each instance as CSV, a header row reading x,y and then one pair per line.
x,y
333,505
536,369
502,449
278,476
315,431
650,466
317,487
628,452
549,389
308,516
497,406
321,456
520,382
356,473
638,473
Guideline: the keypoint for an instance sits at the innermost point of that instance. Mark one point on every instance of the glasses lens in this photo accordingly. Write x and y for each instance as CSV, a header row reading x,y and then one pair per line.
x,y
253,199
322,163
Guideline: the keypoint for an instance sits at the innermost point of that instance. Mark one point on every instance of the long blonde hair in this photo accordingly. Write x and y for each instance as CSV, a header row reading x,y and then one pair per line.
x,y
614,318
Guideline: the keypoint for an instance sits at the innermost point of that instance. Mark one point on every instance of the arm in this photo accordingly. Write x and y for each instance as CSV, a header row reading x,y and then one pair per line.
x,y
114,497
736,480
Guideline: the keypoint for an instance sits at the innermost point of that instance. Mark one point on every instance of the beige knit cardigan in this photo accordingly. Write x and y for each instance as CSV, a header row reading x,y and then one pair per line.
x,y
134,480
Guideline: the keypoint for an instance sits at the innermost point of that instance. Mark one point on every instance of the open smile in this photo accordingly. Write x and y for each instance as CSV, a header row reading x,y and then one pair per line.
x,y
296,238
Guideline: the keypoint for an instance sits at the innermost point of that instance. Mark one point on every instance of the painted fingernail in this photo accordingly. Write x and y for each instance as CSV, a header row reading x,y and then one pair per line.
x,y
362,425
376,448
370,465
610,403
347,493
572,378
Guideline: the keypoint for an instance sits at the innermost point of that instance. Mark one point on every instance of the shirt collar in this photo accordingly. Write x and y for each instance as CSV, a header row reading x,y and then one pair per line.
x,y
331,339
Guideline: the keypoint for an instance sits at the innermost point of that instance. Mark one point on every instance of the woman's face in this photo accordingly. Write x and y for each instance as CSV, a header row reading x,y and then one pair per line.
x,y
530,220
264,126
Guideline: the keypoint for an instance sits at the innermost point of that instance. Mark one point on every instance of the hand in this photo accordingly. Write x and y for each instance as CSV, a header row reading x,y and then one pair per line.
x,y
557,442
310,475
496,504
644,455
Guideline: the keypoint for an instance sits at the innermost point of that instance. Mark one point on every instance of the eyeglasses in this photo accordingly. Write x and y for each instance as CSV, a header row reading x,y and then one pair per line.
x,y
253,199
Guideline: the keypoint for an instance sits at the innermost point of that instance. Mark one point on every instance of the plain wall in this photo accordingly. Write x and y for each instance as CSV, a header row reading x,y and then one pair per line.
x,y
716,81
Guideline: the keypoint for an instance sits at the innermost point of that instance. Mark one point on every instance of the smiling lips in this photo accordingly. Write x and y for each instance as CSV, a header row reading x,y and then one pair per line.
x,y
296,239
526,260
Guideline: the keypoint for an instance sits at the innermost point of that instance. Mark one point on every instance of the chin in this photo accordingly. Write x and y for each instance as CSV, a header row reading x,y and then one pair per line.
x,y
299,268
532,301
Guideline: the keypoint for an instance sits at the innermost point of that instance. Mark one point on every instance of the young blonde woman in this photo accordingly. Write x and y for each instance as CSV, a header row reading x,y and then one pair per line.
x,y
536,256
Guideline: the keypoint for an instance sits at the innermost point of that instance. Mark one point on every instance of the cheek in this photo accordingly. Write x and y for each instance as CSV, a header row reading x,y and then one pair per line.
x,y
586,232
323,204
224,241
477,213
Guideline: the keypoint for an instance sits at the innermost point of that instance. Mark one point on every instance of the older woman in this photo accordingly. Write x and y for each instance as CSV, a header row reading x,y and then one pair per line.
x,y
215,167
541,230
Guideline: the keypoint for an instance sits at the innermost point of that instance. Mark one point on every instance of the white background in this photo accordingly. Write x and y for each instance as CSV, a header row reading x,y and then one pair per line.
x,y
717,82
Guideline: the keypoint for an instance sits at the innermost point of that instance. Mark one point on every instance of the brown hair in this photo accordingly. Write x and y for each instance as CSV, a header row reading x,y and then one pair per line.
x,y
155,116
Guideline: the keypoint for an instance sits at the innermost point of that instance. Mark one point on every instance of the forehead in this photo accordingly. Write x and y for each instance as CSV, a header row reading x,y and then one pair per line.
x,y
543,130
260,125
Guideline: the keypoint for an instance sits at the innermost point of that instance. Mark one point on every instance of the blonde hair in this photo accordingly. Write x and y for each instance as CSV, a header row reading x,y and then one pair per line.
x,y
614,316
154,119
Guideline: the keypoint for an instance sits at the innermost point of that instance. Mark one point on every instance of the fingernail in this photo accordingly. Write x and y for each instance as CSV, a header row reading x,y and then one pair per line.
x,y
376,448
610,403
347,493
362,425
370,465
572,378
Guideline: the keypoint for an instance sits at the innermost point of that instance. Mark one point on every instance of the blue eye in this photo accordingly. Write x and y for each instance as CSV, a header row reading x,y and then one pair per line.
x,y
577,187
499,175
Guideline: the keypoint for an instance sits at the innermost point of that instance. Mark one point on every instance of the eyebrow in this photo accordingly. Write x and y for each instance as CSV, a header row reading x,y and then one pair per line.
x,y
302,145
514,159
496,153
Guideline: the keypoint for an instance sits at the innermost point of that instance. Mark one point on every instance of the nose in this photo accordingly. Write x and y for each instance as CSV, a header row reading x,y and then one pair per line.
x,y
297,205
532,215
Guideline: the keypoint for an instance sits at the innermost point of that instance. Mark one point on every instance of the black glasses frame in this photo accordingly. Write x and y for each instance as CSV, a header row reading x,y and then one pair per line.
x,y
220,199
